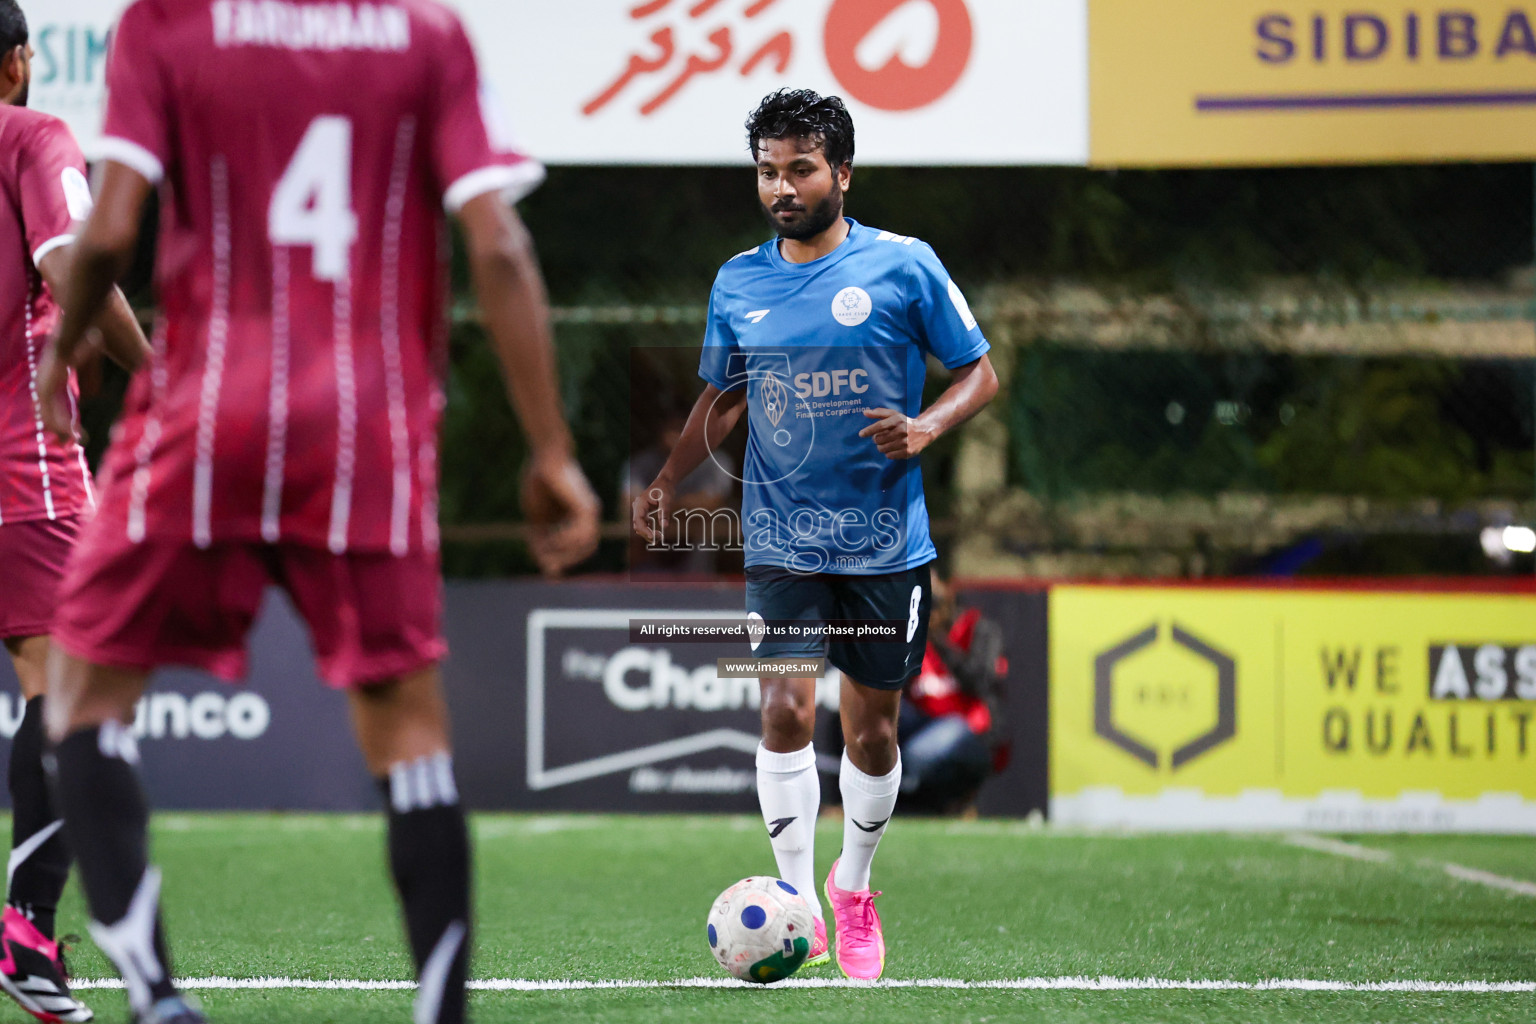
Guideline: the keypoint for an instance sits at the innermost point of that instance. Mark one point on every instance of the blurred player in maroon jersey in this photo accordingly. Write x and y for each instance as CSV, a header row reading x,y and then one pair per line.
x,y
45,489
286,429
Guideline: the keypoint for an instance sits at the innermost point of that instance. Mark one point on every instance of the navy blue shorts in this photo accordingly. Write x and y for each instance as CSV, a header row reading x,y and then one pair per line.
x,y
778,594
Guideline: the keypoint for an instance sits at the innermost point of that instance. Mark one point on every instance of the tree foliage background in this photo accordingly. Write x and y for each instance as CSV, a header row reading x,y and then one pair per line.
x,y
1081,420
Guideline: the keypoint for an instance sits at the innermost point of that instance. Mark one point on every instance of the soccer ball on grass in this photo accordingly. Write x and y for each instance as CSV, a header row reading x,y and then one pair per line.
x,y
760,929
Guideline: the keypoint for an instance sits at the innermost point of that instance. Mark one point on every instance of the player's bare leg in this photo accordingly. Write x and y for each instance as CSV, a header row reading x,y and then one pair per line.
x,y
869,726
402,730
789,713
89,716
869,780
32,968
789,791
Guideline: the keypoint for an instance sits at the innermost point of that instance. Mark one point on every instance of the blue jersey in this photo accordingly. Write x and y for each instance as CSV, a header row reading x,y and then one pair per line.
x,y
815,344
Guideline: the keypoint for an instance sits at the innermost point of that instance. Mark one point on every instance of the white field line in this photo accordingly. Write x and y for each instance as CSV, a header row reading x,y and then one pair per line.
x,y
1337,847
1062,984
1487,878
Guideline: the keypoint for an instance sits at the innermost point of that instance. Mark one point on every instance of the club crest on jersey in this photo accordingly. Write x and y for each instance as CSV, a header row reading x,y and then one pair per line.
x,y
852,306
77,193
775,398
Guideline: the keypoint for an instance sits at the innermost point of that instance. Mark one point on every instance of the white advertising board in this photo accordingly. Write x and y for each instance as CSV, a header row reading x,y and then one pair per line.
x,y
69,68
671,81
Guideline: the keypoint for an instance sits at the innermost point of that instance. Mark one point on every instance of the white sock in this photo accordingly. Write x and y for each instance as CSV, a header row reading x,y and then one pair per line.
x,y
868,800
789,793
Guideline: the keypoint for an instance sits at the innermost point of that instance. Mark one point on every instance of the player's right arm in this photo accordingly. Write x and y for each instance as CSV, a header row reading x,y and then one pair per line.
x,y
121,338
557,498
136,147
100,255
713,417
55,201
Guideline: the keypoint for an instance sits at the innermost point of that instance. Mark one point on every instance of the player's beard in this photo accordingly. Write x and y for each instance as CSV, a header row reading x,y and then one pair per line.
x,y
820,217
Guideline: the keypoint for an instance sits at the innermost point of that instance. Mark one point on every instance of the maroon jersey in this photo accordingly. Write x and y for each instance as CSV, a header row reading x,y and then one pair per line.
x,y
306,152
42,180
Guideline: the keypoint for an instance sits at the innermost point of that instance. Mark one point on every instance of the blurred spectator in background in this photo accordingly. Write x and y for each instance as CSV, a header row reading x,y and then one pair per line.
x,y
950,729
952,733
704,520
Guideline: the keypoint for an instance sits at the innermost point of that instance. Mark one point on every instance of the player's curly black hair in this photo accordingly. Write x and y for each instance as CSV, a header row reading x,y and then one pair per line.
x,y
13,26
804,114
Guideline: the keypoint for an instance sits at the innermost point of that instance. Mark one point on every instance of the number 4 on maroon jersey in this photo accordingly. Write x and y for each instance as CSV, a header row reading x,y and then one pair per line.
x,y
311,150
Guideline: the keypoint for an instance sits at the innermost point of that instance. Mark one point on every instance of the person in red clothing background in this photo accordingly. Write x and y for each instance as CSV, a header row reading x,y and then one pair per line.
x,y
950,730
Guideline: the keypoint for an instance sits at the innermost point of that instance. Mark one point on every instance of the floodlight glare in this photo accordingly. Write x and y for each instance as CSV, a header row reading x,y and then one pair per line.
x,y
1521,539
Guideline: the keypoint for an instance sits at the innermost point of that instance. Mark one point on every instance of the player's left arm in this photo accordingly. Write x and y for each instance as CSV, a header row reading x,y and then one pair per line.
x,y
899,436
100,254
942,323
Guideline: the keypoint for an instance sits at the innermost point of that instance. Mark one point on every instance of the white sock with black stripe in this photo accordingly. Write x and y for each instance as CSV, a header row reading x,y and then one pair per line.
x,y
868,801
789,793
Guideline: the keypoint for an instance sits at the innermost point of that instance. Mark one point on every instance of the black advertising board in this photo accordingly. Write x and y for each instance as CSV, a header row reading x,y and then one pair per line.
x,y
279,741
554,708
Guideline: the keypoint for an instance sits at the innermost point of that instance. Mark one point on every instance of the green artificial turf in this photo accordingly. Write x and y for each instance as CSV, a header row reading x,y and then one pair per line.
x,y
624,898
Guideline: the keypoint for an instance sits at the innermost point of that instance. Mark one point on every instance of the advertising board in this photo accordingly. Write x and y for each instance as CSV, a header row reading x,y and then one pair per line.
x,y
554,708
1259,82
69,67
280,741
947,82
1228,708
671,81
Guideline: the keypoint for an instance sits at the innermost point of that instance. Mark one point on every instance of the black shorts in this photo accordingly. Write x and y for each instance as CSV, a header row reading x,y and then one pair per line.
x,y
779,594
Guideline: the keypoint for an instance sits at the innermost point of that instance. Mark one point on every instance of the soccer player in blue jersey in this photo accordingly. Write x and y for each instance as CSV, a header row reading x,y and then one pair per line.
x,y
821,337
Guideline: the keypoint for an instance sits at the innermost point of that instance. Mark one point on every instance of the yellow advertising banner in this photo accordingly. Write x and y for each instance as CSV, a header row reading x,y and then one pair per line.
x,y
1177,707
1259,82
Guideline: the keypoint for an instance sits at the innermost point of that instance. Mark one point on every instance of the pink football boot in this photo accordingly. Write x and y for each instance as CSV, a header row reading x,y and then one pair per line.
x,y
821,949
32,972
860,940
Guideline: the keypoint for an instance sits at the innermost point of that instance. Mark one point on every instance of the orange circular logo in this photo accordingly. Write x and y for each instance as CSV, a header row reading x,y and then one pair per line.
x,y
896,85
